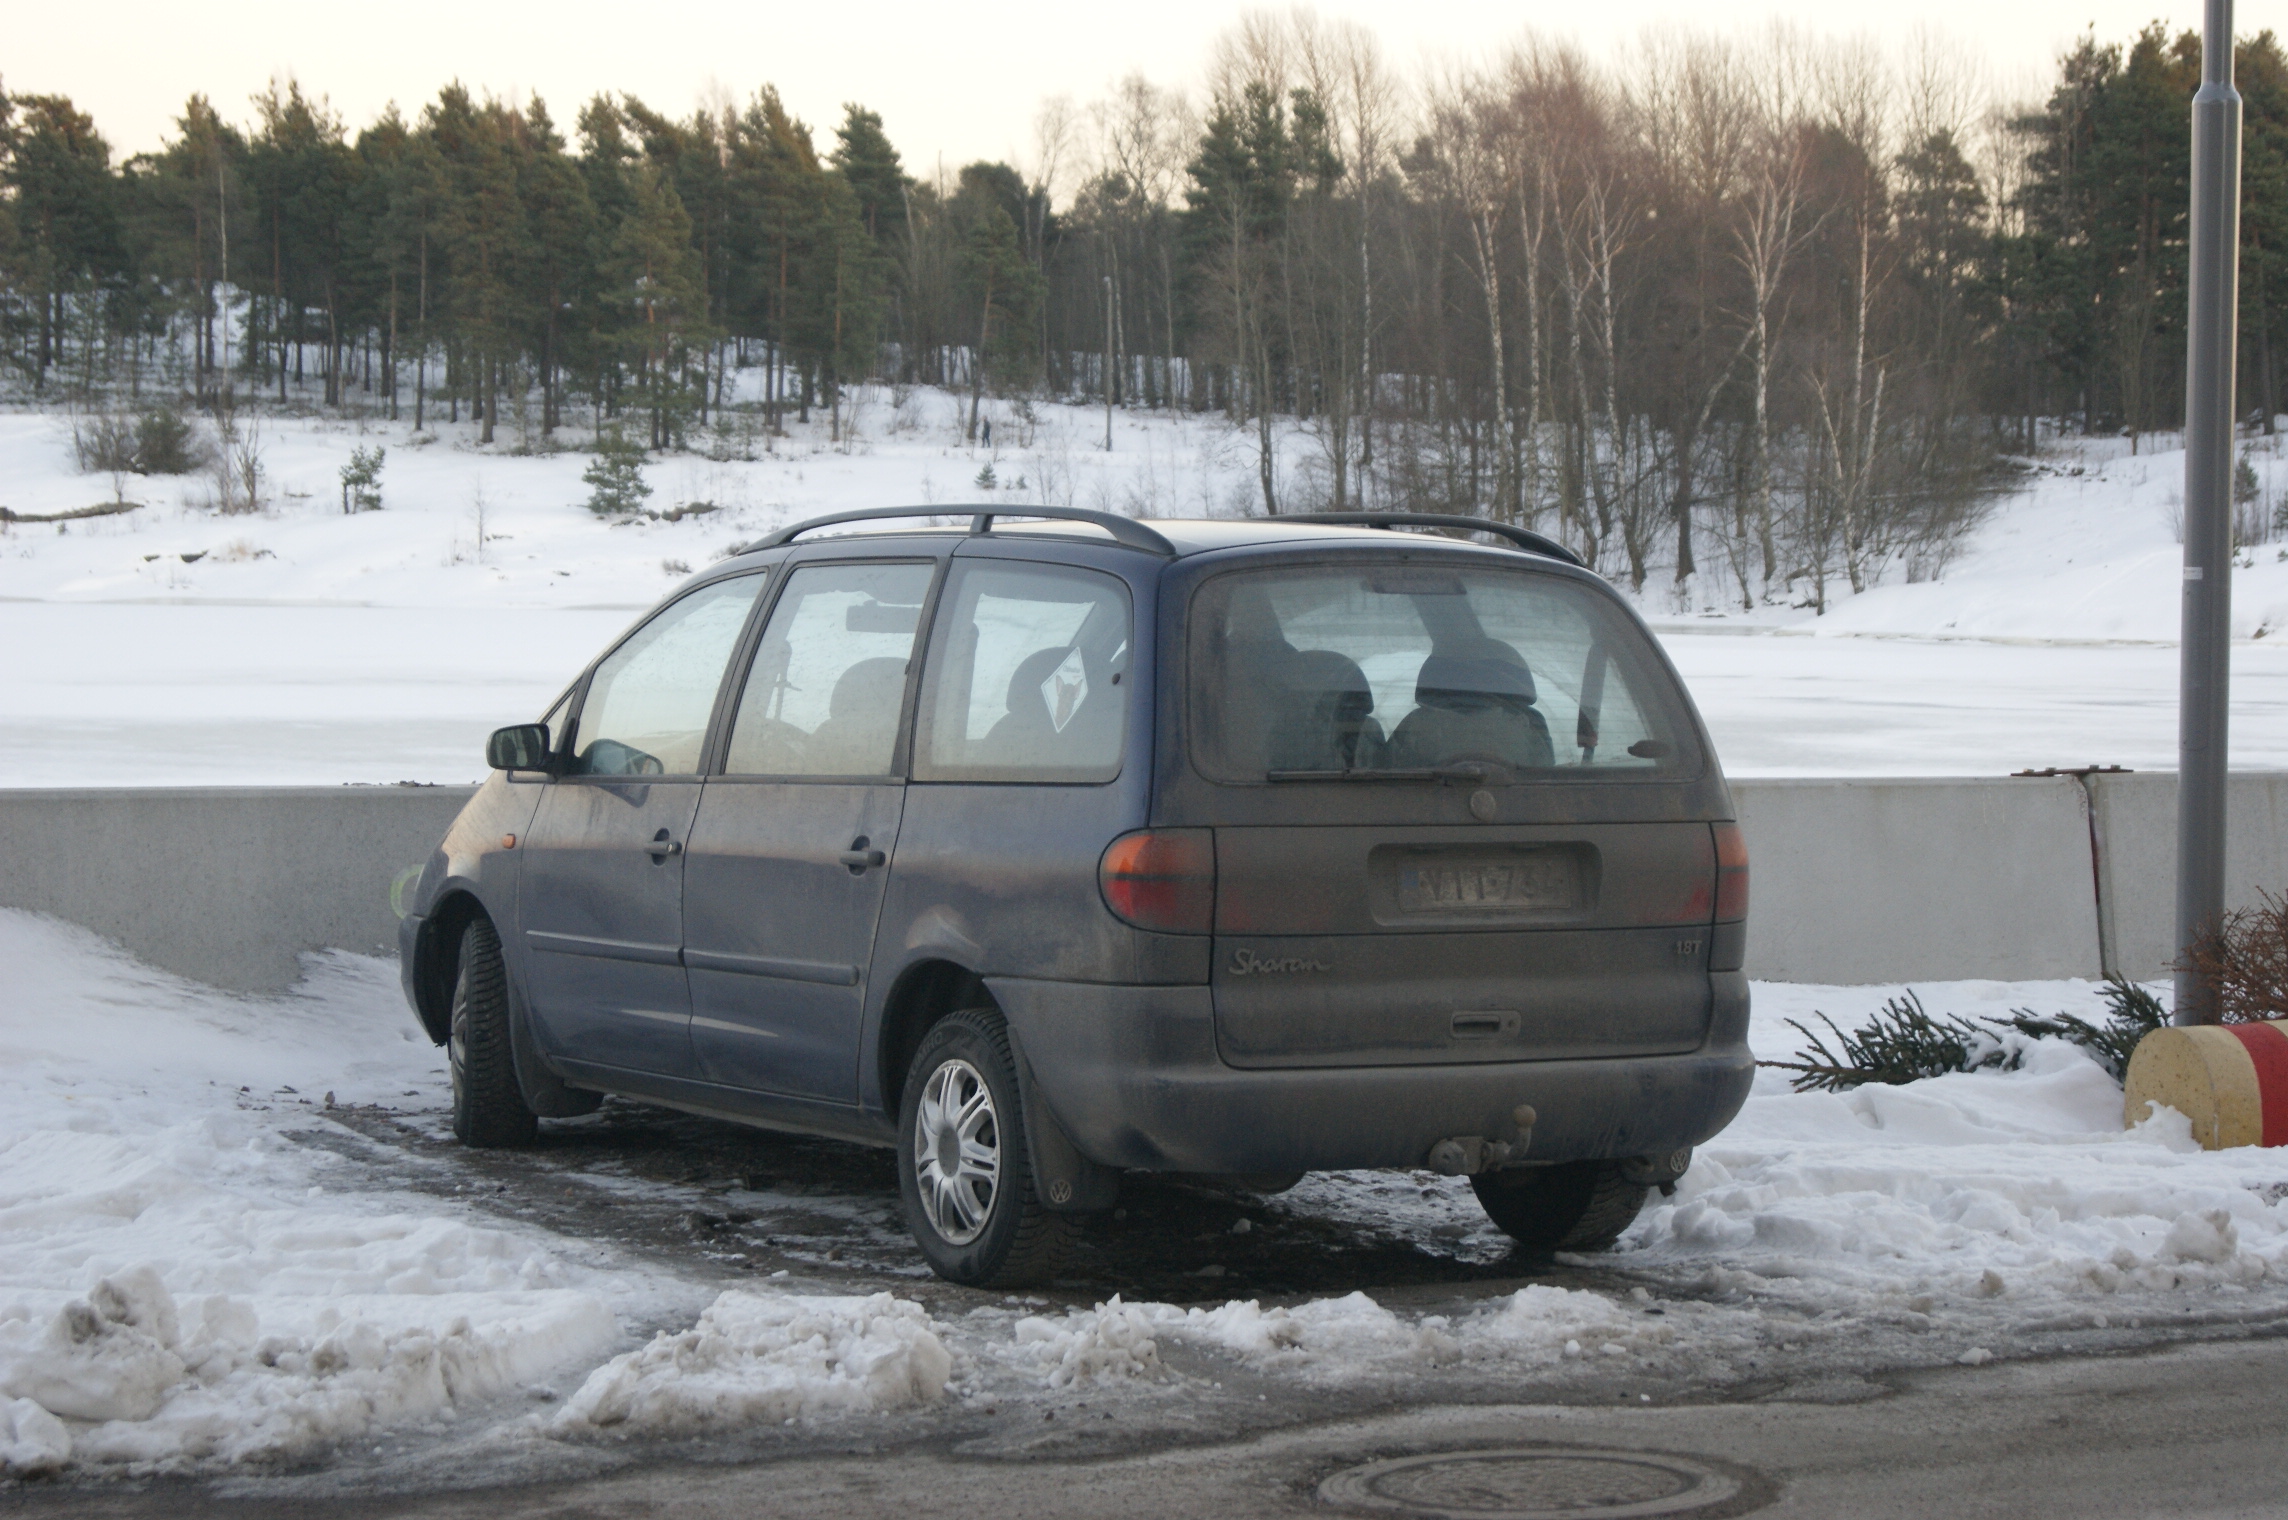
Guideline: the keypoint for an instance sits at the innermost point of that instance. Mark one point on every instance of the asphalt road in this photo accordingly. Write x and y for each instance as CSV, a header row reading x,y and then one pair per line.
x,y
2191,1432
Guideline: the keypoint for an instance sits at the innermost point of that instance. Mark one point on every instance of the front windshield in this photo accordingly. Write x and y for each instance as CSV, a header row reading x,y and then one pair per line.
x,y
1388,667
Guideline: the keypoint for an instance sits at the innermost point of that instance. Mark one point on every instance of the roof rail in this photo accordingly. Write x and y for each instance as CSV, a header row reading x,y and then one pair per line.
x,y
1524,538
1124,530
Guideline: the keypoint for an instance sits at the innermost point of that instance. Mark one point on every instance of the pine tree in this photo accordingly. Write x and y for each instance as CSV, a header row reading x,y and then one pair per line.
x,y
866,161
66,211
564,227
772,195
837,301
361,480
2261,71
2141,168
303,174
616,486
652,278
488,241
1002,291
408,245
195,193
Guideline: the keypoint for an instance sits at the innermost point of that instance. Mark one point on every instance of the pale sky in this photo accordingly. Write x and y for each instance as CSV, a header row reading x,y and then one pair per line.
x,y
954,80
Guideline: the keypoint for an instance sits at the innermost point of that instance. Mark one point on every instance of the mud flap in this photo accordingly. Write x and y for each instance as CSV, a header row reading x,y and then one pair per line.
x,y
545,1093
1065,1181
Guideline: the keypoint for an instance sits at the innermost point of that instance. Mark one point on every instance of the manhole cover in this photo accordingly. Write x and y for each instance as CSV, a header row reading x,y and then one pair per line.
x,y
1532,1483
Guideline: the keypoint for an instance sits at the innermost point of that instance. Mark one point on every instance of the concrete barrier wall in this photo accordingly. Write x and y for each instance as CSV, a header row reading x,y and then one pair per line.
x,y
1854,881
1892,881
2137,824
228,885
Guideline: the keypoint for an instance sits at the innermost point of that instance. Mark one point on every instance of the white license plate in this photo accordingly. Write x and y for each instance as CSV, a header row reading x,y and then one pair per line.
x,y
1502,882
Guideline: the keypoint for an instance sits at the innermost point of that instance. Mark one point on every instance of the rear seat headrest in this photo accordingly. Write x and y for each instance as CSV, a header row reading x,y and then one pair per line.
x,y
1490,669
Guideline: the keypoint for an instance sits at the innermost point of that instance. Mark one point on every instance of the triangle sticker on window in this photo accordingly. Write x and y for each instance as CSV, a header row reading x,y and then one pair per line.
x,y
1065,690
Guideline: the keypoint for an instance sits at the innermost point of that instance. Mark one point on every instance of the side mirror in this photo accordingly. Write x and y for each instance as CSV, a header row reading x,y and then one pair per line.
x,y
522,747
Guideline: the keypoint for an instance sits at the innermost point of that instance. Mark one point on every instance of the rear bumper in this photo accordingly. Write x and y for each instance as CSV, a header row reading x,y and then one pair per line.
x,y
1133,1076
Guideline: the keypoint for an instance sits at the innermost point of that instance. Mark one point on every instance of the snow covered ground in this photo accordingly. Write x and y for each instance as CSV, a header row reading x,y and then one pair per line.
x,y
172,646
181,1280
202,1266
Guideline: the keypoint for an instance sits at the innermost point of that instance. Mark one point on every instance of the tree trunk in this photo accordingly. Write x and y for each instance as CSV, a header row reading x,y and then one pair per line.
x,y
421,359
977,361
1505,439
389,351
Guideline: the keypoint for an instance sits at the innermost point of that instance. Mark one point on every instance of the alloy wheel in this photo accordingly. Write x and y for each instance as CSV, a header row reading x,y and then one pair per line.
x,y
957,1151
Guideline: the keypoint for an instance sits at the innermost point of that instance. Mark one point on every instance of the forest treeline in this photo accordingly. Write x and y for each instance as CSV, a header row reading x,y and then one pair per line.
x,y
1764,310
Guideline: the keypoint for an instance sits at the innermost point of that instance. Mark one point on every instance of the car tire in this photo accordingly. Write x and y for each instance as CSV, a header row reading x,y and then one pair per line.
x,y
965,1177
488,1105
1573,1206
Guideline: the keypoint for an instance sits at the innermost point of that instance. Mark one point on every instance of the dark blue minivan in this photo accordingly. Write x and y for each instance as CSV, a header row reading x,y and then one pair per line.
x,y
1052,849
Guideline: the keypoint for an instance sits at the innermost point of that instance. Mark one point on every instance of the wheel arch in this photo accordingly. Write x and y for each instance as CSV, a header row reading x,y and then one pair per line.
x,y
437,959
924,993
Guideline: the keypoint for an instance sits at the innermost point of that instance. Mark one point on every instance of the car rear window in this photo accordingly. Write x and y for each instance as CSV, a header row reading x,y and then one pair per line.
x,y
1384,667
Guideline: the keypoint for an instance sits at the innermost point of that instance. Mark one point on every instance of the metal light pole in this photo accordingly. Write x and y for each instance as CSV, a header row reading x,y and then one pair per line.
x,y
2204,684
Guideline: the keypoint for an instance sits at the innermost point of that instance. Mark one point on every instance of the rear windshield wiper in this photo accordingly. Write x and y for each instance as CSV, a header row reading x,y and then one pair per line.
x,y
1467,770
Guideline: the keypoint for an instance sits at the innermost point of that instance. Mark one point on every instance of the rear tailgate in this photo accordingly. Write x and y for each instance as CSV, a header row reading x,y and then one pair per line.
x,y
1398,945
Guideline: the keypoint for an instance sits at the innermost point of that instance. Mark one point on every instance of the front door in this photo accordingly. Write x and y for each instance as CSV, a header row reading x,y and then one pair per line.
x,y
602,894
793,841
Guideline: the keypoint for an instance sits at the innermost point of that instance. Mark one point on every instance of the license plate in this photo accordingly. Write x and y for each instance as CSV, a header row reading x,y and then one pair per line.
x,y
1507,882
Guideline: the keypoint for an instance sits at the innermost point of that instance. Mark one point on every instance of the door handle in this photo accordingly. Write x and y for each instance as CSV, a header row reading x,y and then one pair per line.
x,y
661,846
858,857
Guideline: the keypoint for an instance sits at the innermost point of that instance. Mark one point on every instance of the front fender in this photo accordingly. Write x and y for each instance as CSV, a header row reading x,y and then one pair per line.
x,y
475,869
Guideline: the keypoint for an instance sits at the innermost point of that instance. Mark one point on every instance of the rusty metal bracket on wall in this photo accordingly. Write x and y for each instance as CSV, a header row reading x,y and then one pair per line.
x,y
2108,963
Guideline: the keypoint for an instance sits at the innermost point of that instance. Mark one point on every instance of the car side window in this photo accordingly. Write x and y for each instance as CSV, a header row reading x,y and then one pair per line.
x,y
1024,676
648,703
828,685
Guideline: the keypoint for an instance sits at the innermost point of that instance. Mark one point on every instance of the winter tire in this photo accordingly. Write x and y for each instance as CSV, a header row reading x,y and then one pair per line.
x,y
488,1105
964,1175
1573,1206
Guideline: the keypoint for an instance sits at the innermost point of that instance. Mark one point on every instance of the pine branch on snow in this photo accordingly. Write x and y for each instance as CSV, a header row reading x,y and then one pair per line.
x,y
2135,1013
1902,1043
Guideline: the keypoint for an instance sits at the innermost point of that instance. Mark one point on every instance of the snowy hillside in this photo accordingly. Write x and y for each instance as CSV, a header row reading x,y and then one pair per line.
x,y
170,644
2086,550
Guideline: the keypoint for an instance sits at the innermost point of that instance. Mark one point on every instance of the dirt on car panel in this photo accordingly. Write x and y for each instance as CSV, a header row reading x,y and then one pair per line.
x,y
713,1198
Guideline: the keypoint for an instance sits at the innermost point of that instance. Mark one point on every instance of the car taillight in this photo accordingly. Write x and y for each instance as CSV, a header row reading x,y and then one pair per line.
x,y
1731,873
1161,879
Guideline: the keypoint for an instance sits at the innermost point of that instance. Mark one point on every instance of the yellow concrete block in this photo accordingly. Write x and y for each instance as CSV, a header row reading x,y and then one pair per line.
x,y
2224,1078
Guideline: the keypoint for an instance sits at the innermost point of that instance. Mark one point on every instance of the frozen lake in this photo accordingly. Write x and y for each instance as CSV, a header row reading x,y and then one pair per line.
x,y
157,694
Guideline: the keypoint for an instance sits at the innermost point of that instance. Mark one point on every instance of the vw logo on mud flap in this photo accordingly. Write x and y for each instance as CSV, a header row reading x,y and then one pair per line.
x,y
1248,963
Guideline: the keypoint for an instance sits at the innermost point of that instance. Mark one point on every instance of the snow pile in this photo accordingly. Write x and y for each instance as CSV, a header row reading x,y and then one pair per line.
x,y
1542,1323
109,1356
1326,1337
1973,1185
148,1389
177,1282
1353,1337
31,1439
756,1356
1110,1342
